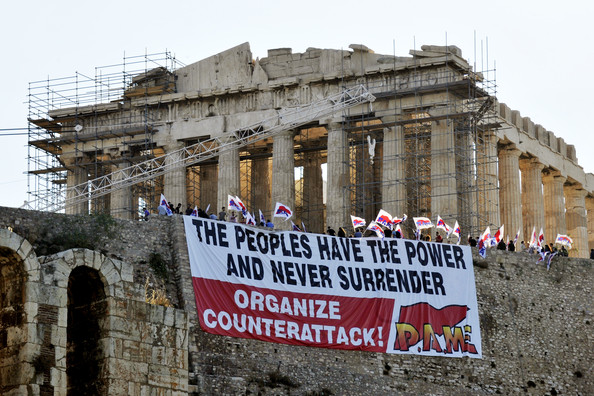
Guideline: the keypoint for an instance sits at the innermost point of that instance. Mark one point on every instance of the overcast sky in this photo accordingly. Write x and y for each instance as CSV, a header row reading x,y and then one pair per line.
x,y
543,54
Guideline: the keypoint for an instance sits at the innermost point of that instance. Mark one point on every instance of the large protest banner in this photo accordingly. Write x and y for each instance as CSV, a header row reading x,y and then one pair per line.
x,y
381,295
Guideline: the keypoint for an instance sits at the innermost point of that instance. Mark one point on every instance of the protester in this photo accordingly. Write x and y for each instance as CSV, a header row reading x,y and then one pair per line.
x,y
222,214
438,238
501,245
146,214
330,231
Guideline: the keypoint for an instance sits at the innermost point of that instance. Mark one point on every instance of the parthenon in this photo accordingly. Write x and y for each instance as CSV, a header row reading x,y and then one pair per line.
x,y
435,141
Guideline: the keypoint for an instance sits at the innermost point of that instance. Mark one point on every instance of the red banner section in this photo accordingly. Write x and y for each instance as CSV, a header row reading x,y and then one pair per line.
x,y
293,318
379,295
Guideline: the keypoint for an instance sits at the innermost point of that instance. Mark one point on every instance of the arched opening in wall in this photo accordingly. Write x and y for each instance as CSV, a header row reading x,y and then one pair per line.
x,y
12,318
87,307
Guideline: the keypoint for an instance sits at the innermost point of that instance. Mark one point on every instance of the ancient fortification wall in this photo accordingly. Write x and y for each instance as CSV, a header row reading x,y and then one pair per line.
x,y
536,323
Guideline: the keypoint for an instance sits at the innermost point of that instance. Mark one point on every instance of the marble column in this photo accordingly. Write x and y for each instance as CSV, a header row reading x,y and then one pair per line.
x,y
121,206
554,205
532,198
337,193
444,195
590,220
209,187
261,187
174,180
510,202
313,186
283,177
575,216
228,178
76,175
488,181
393,171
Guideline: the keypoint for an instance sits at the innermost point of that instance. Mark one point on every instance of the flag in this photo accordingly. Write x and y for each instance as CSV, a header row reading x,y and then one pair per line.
x,y
384,218
396,220
482,247
242,207
195,212
398,229
441,224
233,204
206,210
166,205
540,238
358,222
533,238
262,218
517,235
564,240
373,226
422,222
303,226
486,235
295,228
456,231
542,256
283,211
550,259
499,234
249,219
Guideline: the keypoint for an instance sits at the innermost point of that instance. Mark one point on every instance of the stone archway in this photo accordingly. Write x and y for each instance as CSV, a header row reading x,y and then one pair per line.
x,y
87,308
19,275
12,317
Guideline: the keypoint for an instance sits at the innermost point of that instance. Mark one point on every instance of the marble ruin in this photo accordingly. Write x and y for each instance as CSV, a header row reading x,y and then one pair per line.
x,y
443,144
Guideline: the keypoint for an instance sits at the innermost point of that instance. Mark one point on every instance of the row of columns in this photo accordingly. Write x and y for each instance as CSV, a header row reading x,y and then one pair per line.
x,y
535,200
542,200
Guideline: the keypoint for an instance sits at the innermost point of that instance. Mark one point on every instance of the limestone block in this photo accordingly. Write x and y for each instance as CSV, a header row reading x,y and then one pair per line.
x,y
542,134
157,313
127,272
517,119
31,309
505,112
158,354
131,350
61,273
562,146
98,259
58,336
27,352
528,126
62,316
68,257
25,250
110,272
181,319
60,355
552,140
169,317
571,152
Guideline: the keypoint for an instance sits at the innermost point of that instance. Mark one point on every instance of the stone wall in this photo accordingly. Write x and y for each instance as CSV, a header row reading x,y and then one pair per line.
x,y
536,329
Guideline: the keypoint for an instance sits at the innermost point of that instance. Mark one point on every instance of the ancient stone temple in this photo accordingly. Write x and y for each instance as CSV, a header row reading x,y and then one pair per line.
x,y
434,142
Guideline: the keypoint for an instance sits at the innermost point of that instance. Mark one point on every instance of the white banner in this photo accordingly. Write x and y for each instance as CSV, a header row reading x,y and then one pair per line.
x,y
382,295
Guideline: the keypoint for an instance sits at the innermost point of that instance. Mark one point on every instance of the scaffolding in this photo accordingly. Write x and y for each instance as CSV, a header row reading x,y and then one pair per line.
x,y
66,134
424,102
462,101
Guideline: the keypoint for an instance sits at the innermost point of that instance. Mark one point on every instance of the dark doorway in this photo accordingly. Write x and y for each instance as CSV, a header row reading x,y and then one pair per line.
x,y
12,315
86,309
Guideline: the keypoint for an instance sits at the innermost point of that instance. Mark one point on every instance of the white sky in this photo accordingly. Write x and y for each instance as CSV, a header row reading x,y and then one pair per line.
x,y
543,53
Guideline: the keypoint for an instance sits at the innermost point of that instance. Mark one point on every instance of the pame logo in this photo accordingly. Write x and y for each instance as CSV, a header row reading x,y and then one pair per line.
x,y
429,329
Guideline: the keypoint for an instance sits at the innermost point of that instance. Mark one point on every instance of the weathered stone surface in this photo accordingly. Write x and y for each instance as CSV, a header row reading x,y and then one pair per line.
x,y
535,326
